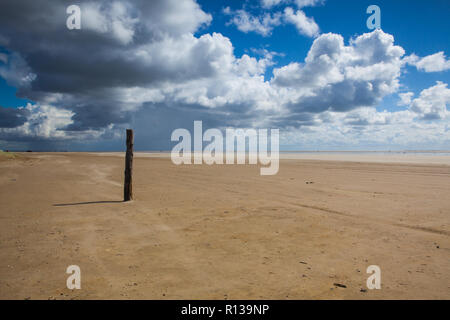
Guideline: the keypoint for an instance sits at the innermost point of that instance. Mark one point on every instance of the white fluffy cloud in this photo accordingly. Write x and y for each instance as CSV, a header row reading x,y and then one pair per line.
x,y
246,22
308,3
432,102
305,25
265,23
120,19
425,123
42,121
299,3
432,63
173,17
339,77
270,3
374,130
405,98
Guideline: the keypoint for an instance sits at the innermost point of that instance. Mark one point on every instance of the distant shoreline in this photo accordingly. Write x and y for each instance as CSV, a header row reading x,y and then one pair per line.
x,y
281,151
425,157
432,158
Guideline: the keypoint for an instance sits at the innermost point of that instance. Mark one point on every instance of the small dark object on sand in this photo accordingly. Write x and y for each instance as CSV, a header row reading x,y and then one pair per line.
x,y
340,285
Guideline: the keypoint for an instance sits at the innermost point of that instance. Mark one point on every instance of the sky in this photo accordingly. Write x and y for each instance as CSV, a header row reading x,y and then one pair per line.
x,y
310,68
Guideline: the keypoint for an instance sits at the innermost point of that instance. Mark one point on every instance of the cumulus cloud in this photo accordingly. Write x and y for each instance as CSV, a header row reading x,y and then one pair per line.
x,y
115,19
265,22
432,102
37,121
367,129
423,124
432,63
342,77
305,25
299,3
308,3
247,22
270,3
405,98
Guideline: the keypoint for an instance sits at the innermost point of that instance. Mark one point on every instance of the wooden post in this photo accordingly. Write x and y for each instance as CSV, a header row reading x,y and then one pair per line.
x,y
128,186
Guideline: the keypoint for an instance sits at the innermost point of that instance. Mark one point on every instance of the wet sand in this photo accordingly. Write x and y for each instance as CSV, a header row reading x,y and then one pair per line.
x,y
223,232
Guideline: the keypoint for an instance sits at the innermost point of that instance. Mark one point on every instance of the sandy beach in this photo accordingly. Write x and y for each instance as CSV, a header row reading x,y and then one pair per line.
x,y
224,232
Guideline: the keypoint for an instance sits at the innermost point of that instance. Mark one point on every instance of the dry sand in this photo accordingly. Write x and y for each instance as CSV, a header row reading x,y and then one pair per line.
x,y
222,232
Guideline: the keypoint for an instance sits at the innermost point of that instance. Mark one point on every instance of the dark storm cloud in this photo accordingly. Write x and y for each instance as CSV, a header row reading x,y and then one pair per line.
x,y
295,120
340,97
91,117
71,61
89,64
155,123
11,118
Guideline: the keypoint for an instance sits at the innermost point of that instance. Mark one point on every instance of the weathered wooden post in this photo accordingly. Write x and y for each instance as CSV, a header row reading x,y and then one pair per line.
x,y
128,186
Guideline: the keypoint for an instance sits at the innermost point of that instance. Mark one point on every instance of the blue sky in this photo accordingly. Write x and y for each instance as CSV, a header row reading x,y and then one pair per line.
x,y
84,110
9,97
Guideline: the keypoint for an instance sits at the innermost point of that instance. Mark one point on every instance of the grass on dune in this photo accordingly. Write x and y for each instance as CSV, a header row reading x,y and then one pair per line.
x,y
7,155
